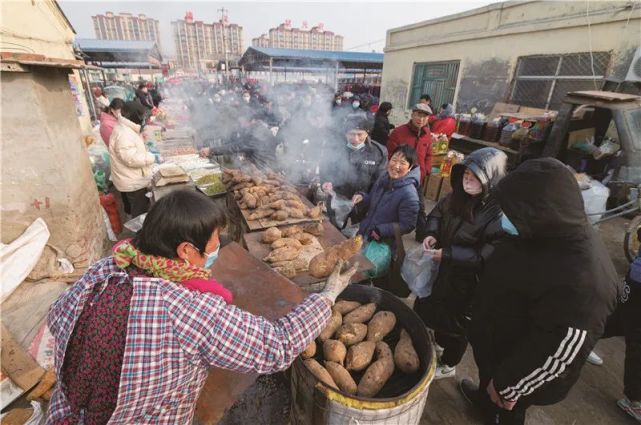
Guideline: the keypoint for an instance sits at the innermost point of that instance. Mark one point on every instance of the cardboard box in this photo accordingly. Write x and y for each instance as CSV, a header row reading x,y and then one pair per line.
x,y
446,188
433,187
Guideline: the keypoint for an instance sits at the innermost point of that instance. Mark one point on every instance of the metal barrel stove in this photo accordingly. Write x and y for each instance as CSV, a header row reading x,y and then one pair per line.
x,y
403,398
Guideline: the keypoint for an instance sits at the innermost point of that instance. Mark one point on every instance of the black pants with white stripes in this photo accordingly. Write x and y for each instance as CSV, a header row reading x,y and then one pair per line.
x,y
626,322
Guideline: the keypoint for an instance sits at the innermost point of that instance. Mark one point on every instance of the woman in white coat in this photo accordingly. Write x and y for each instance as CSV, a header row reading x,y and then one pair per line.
x,y
130,165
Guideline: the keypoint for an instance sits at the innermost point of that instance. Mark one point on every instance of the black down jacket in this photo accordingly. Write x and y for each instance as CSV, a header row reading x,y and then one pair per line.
x,y
545,295
466,244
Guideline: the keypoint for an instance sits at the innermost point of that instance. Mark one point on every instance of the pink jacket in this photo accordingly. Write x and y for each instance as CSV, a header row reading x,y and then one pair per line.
x,y
107,124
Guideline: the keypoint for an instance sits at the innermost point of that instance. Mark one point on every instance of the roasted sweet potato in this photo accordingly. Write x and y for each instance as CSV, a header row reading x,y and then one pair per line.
x,y
304,238
298,264
359,356
381,324
334,323
342,377
282,254
288,271
405,355
344,306
47,381
279,215
315,212
290,242
323,264
334,351
261,213
315,229
361,314
292,230
378,372
320,373
310,351
351,333
295,213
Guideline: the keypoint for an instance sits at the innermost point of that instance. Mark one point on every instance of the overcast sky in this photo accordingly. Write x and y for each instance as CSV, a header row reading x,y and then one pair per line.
x,y
363,24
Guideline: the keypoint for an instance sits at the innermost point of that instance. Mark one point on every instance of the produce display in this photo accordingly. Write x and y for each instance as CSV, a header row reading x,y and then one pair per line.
x,y
211,184
267,195
361,350
291,249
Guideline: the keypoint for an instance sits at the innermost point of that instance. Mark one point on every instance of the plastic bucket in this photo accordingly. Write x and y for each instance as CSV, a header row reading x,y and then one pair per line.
x,y
403,398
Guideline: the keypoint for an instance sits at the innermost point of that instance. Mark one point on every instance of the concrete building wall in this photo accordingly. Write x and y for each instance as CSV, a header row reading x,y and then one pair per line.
x,y
41,28
488,42
126,26
45,166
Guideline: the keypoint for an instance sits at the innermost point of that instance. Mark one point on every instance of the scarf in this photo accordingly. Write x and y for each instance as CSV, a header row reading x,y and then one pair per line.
x,y
191,277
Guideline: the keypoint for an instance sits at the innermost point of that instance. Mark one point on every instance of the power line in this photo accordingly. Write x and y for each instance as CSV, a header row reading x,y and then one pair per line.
x,y
366,44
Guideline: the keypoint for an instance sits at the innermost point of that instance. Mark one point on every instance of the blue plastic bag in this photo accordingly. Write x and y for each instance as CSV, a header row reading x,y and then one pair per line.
x,y
380,254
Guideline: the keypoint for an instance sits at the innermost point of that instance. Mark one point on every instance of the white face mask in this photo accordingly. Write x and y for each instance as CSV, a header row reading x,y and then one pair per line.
x,y
356,104
338,101
246,99
472,187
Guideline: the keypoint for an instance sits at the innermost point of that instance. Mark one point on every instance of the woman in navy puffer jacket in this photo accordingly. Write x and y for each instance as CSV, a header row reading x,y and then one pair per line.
x,y
393,198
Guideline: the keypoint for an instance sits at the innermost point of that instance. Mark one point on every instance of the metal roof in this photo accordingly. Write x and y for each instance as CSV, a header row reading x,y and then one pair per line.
x,y
259,57
338,56
96,45
119,53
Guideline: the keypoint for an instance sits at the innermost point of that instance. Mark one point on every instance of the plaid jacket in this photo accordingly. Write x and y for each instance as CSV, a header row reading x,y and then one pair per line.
x,y
173,336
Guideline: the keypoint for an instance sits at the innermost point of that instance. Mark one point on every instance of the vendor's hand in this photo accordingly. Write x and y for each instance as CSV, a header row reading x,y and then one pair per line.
x,y
496,398
429,243
204,152
337,282
374,235
357,198
327,187
437,254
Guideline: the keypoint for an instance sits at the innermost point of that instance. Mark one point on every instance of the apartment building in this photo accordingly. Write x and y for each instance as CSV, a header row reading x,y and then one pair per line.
x,y
126,26
285,36
201,45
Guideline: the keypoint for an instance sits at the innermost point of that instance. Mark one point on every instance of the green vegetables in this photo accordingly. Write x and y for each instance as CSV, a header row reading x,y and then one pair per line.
x,y
210,184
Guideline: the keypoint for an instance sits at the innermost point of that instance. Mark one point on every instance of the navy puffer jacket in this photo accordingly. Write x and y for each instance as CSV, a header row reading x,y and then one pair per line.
x,y
391,201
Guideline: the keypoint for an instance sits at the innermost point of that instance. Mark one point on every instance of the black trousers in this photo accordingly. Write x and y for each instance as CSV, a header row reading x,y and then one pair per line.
x,y
137,200
454,347
449,328
626,322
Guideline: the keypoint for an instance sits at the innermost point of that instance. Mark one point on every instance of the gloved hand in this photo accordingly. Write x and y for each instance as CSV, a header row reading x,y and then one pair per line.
x,y
337,282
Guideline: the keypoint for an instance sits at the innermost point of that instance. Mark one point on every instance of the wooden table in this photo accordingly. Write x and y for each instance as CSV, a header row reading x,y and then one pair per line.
x,y
259,290
331,236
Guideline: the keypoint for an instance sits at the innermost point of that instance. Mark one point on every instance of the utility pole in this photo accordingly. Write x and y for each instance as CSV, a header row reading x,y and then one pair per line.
x,y
223,21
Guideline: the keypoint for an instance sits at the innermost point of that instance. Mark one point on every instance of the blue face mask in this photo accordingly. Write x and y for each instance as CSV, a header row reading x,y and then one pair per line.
x,y
355,148
211,258
508,226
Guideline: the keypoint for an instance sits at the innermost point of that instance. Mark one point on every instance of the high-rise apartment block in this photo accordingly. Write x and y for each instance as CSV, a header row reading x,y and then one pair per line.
x,y
287,37
201,45
126,26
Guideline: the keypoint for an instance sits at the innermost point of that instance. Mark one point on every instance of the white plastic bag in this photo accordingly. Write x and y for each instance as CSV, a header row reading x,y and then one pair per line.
x,y
18,258
419,271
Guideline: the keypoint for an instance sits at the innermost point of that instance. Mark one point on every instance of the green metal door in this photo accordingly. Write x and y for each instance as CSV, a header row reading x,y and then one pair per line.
x,y
438,79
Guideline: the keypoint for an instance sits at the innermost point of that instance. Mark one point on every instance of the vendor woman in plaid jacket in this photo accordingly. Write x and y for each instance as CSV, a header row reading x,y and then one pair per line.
x,y
135,336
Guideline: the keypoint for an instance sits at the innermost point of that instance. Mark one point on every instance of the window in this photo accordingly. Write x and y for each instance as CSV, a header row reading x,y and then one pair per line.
x,y
542,81
437,79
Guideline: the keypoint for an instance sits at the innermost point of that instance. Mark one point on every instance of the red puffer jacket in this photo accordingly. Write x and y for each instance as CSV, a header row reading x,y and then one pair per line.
x,y
420,139
446,125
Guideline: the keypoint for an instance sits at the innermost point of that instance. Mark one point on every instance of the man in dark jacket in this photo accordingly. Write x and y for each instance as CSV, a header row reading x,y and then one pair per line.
x,y
143,95
382,126
416,134
355,166
544,297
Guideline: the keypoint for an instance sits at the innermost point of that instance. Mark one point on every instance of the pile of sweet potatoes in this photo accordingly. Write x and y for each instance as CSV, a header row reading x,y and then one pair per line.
x,y
357,360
